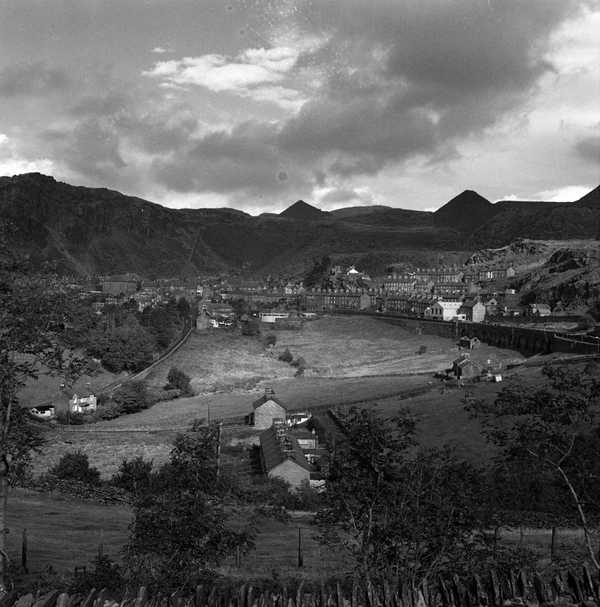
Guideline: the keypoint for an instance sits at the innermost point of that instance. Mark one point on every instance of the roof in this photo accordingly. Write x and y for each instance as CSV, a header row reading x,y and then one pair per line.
x,y
265,398
273,449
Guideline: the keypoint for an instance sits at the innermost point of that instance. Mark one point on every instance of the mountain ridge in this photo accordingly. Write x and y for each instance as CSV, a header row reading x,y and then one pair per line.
x,y
101,231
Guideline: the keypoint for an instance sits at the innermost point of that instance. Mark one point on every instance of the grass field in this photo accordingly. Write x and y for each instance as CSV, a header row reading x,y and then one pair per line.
x,y
360,360
353,359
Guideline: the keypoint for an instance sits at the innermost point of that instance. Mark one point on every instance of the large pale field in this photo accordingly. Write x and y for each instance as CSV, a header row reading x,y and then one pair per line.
x,y
350,360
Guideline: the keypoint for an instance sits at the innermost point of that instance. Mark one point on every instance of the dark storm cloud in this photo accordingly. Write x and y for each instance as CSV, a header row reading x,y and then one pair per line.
x,y
435,72
31,79
247,158
589,149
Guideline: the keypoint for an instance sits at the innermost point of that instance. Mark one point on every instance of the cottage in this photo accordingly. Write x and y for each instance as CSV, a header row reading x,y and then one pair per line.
x,y
83,404
281,457
298,417
266,410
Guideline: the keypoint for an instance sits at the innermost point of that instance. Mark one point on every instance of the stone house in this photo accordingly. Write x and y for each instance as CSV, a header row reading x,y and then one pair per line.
x,y
281,456
444,310
266,410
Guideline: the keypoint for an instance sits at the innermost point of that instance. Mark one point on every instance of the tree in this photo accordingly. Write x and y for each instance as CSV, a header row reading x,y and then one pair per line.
x,y
36,311
395,510
177,379
75,466
132,397
286,356
550,440
181,527
134,475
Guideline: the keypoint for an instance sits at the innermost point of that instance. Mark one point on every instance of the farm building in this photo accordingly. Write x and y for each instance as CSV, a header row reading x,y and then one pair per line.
x,y
464,368
468,342
281,456
540,309
83,404
266,410
44,412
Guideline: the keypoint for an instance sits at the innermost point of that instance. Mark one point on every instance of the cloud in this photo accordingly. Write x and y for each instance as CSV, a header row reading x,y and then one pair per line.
x,y
161,50
568,193
33,79
13,163
589,148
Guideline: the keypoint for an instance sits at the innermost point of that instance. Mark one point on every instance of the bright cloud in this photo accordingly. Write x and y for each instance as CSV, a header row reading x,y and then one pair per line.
x,y
252,73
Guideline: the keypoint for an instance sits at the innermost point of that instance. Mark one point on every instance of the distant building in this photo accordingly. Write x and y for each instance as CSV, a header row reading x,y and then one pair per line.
x,y
266,410
445,310
83,404
540,309
118,287
43,412
464,368
282,457
473,310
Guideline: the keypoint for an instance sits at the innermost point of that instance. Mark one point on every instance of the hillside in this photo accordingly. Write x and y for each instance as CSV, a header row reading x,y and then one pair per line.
x,y
96,230
303,211
465,212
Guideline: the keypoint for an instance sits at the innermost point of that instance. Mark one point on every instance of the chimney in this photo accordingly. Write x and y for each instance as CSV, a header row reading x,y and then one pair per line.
x,y
269,392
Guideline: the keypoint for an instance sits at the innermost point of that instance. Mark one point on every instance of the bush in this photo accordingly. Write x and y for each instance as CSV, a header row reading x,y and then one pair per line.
x,y
133,475
132,397
75,466
422,350
286,356
270,339
299,362
178,380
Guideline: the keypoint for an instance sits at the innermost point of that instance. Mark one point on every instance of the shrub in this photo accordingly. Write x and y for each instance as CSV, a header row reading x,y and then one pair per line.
x,y
133,475
132,397
177,379
270,339
299,362
422,350
286,356
75,466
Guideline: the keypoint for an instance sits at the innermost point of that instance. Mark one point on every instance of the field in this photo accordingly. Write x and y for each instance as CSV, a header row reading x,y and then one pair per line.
x,y
349,360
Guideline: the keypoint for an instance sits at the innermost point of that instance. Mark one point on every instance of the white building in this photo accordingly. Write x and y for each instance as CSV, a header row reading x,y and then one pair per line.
x,y
83,404
445,310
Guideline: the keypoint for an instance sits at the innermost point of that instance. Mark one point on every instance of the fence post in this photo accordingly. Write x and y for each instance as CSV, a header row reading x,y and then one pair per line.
x,y
553,544
24,551
300,556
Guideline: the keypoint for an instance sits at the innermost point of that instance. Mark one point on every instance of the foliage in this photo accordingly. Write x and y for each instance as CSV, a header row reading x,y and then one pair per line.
x,y
134,475
125,347
550,445
270,339
106,574
394,509
286,356
181,525
75,466
317,275
132,397
251,327
177,379
422,350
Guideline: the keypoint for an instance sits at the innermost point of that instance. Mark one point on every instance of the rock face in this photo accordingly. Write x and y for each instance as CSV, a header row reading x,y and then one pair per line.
x,y
96,230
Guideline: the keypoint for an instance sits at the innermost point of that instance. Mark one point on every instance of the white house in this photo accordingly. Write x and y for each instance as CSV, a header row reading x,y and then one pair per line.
x,y
83,404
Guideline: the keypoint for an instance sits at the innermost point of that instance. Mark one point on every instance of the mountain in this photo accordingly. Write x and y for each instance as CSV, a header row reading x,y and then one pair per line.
x,y
303,211
99,231
591,200
465,212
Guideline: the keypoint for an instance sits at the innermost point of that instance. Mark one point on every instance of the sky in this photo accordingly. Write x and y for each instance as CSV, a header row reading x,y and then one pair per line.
x,y
254,104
